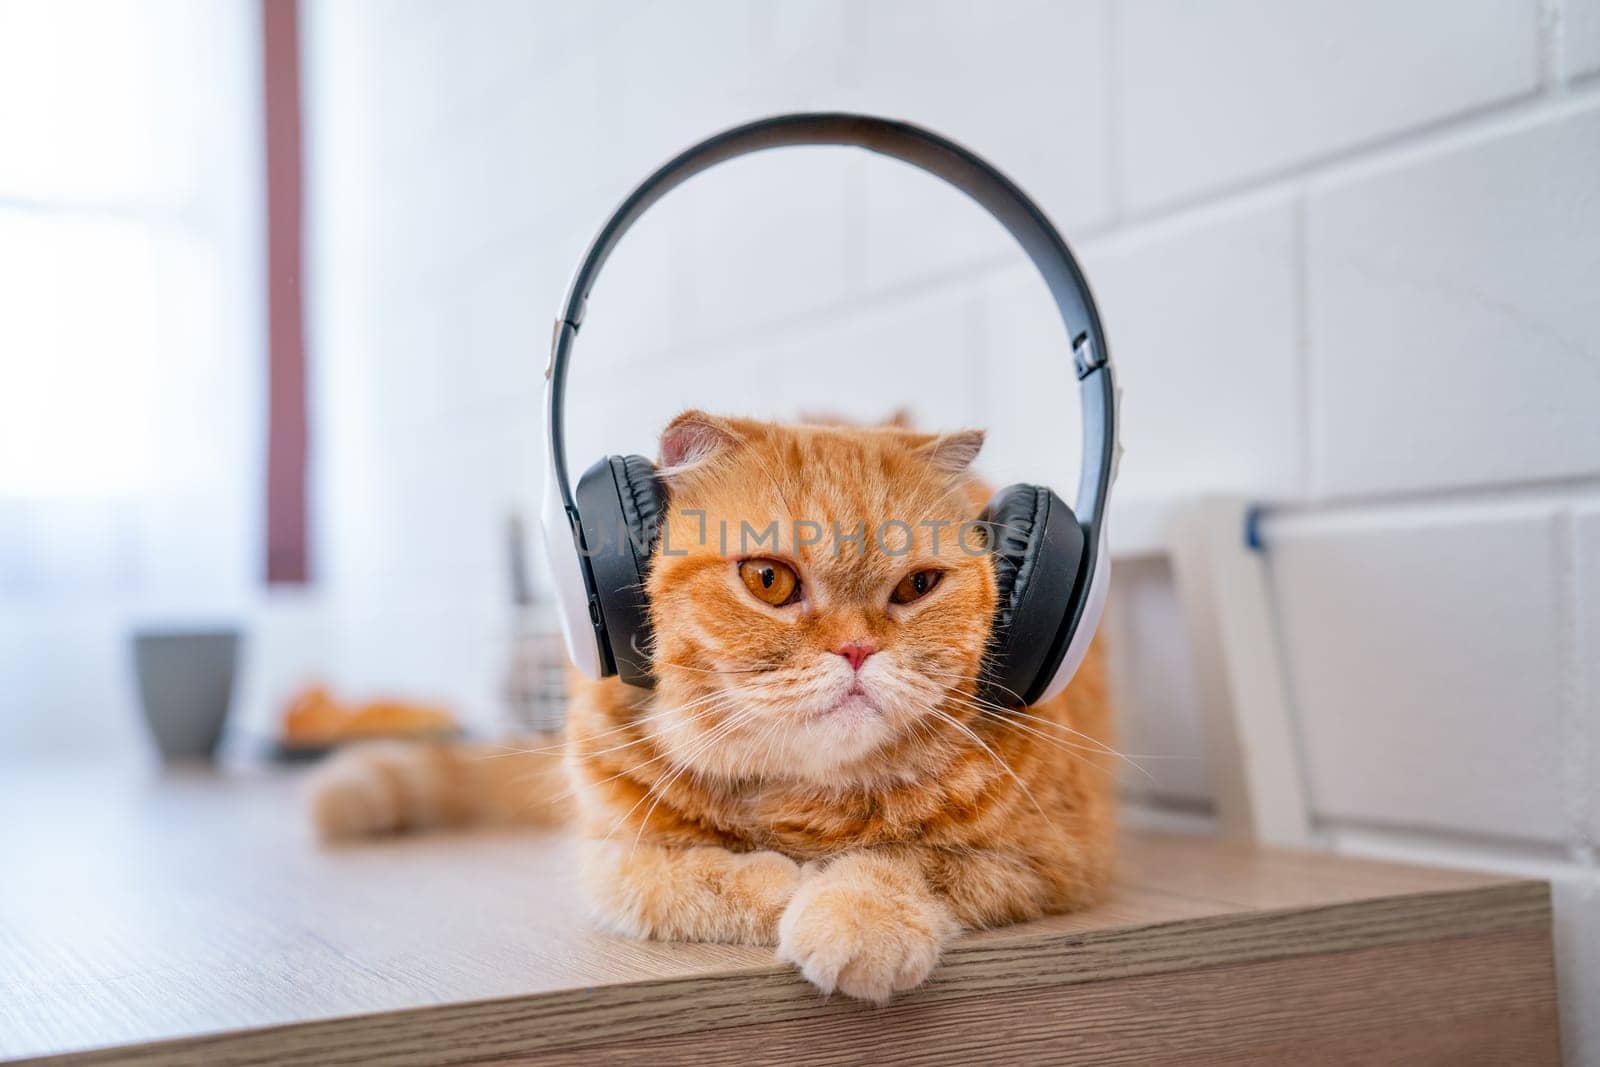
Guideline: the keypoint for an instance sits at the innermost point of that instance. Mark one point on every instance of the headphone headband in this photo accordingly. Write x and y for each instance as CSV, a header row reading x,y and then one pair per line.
x,y
929,152
1049,618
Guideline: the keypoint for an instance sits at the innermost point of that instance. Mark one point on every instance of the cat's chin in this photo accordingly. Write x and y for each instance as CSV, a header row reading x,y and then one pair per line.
x,y
854,705
842,732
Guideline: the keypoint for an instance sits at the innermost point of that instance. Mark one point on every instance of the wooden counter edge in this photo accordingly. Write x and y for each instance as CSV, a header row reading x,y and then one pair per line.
x,y
1010,960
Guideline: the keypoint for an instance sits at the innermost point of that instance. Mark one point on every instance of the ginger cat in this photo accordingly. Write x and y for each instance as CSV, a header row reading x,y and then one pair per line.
x,y
813,769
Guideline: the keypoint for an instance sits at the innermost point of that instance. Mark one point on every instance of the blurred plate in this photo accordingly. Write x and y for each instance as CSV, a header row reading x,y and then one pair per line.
x,y
282,751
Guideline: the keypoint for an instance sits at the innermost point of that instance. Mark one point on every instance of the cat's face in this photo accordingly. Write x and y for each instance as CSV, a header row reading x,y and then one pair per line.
x,y
822,596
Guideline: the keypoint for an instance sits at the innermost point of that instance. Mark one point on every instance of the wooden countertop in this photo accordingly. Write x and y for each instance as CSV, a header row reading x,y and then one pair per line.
x,y
194,919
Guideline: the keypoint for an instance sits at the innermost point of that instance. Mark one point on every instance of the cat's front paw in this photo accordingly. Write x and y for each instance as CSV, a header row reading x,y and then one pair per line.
x,y
866,926
689,894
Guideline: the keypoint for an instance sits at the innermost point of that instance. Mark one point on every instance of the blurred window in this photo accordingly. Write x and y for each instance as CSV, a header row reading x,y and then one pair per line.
x,y
131,338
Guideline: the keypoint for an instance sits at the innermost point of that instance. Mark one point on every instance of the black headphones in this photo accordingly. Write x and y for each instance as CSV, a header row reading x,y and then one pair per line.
x,y
1050,560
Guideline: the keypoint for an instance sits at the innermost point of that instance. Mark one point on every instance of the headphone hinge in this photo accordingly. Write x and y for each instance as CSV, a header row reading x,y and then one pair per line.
x,y
1086,358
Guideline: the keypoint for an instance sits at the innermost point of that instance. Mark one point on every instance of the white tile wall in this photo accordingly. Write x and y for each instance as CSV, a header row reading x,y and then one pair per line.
x,y
915,230
641,309
1029,390
683,71
1022,83
1453,312
1424,655
773,240
1581,38
1212,94
914,352
1346,252
1202,316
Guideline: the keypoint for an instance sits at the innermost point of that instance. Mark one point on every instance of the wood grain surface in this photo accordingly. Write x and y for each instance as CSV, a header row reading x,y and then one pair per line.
x,y
1338,1009
192,919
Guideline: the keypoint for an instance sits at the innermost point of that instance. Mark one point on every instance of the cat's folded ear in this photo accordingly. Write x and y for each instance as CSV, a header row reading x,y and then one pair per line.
x,y
953,453
691,439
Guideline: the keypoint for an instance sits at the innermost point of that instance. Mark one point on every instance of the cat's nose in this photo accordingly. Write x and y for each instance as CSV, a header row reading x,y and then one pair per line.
x,y
856,652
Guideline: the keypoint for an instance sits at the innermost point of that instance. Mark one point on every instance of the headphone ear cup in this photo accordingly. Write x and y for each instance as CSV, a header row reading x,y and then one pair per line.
x,y
1036,545
643,497
621,501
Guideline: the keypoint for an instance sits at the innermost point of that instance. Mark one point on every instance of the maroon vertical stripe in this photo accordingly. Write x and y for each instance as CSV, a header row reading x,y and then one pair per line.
x,y
287,558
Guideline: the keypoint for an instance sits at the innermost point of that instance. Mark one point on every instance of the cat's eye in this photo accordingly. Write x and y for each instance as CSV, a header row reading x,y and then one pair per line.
x,y
915,586
770,581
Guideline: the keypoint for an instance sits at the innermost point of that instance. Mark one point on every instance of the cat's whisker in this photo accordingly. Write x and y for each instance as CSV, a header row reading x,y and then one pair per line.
x,y
1092,743
626,772
712,670
922,734
632,767
718,702
514,750
961,680
776,726
985,677
629,724
548,750
1078,752
1019,718
763,742
704,699
1003,765
716,735
561,747
646,736
977,703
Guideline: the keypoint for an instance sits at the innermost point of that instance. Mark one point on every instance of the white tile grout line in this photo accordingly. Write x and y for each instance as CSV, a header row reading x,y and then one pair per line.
x,y
1449,849
1362,510
1310,458
1422,140
1552,41
1399,843
1464,128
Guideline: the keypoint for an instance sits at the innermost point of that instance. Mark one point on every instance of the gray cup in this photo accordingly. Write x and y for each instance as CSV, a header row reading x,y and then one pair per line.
x,y
185,687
